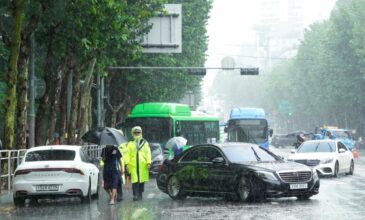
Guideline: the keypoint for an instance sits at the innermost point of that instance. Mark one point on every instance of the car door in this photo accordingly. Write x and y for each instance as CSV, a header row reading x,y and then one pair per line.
x,y
185,169
220,175
89,169
343,158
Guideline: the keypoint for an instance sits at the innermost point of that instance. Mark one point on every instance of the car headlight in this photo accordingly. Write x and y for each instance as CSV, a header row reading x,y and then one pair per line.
x,y
327,160
315,175
267,176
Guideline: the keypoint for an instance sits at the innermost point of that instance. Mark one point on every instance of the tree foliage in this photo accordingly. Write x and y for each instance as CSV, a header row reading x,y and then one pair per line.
x,y
324,81
77,38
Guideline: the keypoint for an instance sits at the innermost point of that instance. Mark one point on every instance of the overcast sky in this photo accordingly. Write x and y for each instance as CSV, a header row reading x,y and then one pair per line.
x,y
230,25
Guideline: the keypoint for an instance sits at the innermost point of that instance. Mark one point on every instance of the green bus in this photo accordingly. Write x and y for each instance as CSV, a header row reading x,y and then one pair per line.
x,y
162,121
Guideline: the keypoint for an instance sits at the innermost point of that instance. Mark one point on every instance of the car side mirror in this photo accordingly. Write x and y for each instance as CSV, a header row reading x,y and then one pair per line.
x,y
292,151
342,151
218,160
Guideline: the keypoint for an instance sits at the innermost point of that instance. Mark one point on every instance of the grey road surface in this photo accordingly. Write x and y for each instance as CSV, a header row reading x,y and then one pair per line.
x,y
339,198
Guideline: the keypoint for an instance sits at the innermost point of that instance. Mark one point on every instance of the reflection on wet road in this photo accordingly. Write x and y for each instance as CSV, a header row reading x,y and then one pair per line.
x,y
339,198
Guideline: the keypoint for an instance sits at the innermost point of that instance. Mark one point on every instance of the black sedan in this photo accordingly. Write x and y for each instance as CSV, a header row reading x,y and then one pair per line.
x,y
239,171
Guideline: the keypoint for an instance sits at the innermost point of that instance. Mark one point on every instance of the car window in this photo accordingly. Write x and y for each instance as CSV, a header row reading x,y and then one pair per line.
x,y
201,154
192,155
341,146
84,156
50,155
247,154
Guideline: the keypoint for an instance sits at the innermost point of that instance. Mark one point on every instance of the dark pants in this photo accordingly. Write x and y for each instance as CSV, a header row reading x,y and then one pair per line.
x,y
138,189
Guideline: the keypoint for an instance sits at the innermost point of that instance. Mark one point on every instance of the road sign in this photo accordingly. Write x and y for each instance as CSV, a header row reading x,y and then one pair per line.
x,y
166,33
249,71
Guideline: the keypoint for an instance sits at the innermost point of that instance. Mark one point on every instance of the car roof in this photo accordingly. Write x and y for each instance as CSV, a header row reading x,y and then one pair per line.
x,y
323,140
55,147
235,144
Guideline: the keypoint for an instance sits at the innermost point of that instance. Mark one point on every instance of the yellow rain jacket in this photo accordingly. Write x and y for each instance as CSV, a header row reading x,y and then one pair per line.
x,y
139,171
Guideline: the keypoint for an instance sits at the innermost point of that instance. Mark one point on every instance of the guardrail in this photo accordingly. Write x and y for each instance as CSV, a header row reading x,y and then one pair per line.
x,y
10,159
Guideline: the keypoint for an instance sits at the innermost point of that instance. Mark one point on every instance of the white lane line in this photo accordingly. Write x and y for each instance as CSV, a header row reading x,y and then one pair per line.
x,y
138,213
150,196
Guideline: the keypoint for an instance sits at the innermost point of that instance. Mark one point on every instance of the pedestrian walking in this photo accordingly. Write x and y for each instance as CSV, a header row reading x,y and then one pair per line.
x,y
138,162
113,169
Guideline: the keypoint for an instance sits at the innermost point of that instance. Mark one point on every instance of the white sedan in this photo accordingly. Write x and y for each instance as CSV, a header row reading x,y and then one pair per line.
x,y
58,170
328,157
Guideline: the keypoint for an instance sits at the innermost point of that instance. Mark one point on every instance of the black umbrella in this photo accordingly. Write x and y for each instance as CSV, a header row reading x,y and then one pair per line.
x,y
104,136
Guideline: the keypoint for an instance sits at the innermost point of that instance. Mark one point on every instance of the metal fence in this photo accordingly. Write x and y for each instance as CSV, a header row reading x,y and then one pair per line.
x,y
10,159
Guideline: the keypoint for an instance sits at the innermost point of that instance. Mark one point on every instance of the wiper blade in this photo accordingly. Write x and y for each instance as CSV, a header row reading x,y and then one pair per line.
x,y
256,155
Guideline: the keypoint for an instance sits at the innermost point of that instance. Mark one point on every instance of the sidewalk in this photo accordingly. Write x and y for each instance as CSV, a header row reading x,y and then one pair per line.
x,y
5,197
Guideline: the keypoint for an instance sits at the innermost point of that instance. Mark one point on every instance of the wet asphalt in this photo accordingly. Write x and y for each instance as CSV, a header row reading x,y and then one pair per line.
x,y
339,198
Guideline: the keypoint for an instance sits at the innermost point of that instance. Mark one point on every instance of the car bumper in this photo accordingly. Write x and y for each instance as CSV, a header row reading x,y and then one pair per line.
x,y
283,189
75,187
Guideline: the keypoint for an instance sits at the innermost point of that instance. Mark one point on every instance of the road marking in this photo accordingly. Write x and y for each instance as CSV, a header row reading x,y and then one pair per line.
x,y
137,214
150,196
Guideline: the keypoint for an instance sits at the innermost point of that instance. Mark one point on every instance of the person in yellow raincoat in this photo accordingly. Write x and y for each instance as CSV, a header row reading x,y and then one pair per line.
x,y
138,162
123,150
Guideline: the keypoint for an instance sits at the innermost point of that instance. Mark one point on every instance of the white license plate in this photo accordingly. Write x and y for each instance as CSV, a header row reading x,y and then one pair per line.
x,y
47,187
299,186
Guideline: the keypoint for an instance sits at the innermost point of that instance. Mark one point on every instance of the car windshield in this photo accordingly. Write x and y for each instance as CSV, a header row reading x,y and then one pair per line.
x,y
50,155
247,154
319,147
341,134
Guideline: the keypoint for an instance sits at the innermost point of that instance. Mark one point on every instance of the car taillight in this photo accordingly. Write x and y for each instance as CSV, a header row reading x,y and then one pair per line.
x,y
73,170
22,172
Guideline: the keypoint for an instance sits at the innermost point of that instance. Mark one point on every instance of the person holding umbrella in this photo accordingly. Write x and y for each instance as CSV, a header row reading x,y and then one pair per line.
x,y
113,169
138,162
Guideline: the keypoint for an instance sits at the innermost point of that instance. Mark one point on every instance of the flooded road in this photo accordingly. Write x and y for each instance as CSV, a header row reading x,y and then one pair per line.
x,y
339,198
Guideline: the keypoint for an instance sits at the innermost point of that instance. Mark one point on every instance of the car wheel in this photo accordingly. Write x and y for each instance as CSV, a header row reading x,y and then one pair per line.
x,y
87,198
96,195
352,167
174,188
19,201
304,197
335,174
244,189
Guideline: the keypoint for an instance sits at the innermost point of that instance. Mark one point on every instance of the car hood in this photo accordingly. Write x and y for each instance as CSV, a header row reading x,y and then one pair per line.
x,y
310,156
280,166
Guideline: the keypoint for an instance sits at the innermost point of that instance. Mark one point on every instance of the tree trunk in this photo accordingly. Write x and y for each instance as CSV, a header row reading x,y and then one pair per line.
x,y
72,139
55,109
22,87
43,103
85,100
63,111
11,102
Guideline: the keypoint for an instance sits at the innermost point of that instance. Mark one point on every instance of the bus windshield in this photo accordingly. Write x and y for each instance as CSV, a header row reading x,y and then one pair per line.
x,y
248,130
154,129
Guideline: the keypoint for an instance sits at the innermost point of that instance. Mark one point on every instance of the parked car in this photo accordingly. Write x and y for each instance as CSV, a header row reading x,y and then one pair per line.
x,y
283,140
240,171
157,157
328,157
53,171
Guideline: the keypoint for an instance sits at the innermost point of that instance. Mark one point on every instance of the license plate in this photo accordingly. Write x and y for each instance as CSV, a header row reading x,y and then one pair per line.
x,y
299,186
47,187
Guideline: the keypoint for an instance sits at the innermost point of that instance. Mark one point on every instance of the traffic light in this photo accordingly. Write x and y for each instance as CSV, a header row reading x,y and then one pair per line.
x,y
249,71
198,72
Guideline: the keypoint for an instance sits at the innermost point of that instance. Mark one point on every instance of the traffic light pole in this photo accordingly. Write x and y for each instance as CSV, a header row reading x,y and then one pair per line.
x,y
192,70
